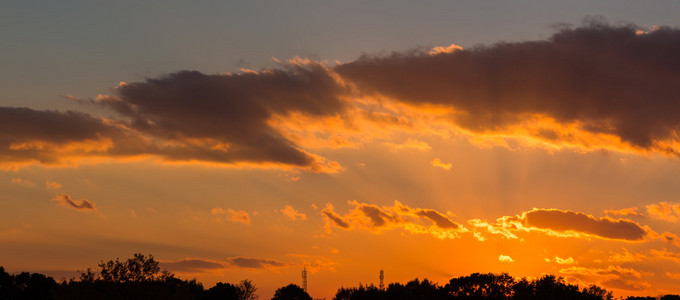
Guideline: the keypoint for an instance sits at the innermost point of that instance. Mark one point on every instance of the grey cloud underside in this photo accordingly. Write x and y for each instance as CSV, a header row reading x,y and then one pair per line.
x,y
232,109
185,116
609,77
254,263
579,222
191,265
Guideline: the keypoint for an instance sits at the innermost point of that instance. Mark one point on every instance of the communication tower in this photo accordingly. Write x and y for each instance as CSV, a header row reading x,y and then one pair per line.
x,y
382,277
304,279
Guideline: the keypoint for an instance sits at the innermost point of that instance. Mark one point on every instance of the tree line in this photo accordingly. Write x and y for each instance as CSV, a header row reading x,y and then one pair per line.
x,y
140,277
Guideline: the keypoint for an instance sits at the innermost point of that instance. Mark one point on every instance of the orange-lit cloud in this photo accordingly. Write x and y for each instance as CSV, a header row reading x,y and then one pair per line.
x,y
377,219
576,224
673,275
665,254
505,258
448,49
615,277
566,224
627,256
409,144
22,182
664,211
52,185
82,204
439,164
625,212
564,80
564,261
231,215
293,214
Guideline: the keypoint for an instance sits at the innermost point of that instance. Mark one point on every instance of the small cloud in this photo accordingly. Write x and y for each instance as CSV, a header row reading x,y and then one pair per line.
x,y
238,216
82,204
22,182
52,185
231,215
664,211
673,275
564,261
293,214
334,251
410,144
505,258
217,211
447,49
191,265
254,263
438,163
626,256
626,212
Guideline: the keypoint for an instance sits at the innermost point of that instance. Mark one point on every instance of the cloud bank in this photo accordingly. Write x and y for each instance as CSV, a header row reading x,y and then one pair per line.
x,y
597,86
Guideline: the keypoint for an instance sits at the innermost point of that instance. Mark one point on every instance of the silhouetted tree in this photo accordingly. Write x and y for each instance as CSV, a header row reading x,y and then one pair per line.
x,y
223,291
291,292
481,286
247,290
670,297
138,268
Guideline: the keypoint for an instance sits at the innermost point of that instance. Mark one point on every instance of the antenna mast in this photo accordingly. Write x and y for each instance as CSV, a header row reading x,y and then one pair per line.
x,y
304,279
382,277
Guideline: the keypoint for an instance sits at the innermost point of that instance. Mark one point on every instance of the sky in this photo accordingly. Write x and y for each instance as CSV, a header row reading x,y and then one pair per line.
x,y
252,139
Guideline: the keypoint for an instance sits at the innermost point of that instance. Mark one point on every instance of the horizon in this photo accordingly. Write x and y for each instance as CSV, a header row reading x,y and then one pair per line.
x,y
251,140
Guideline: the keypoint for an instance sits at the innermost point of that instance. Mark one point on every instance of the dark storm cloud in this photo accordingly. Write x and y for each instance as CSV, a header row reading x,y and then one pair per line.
x,y
613,79
224,117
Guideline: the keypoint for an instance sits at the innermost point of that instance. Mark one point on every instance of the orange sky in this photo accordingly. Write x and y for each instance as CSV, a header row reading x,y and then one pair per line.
x,y
551,156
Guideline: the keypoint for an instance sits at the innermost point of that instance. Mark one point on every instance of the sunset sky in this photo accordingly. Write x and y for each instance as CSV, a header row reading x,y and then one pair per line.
x,y
431,139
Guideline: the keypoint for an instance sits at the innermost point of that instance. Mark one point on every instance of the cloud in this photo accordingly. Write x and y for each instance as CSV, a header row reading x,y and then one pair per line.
x,y
448,49
664,211
597,86
615,277
627,256
334,218
224,118
254,263
505,258
564,261
410,144
439,164
51,137
191,265
575,224
82,204
52,185
293,214
22,182
665,254
673,275
236,216
378,219
625,212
